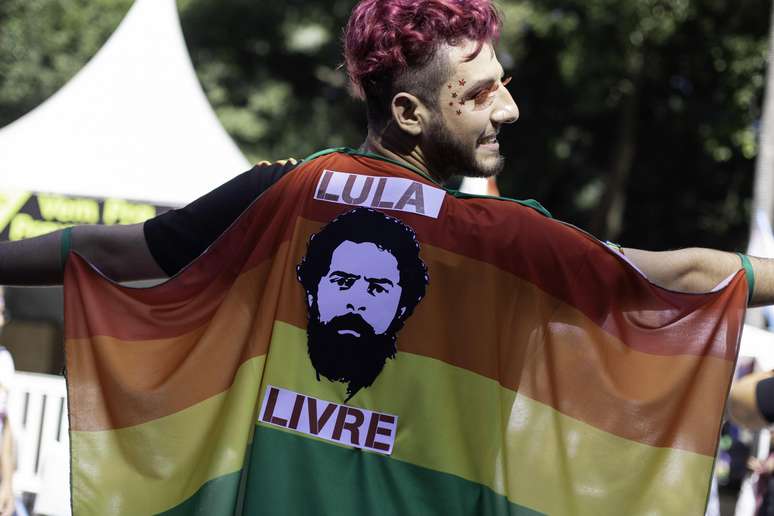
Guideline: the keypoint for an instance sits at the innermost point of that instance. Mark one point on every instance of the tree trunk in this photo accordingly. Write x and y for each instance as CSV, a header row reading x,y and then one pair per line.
x,y
763,198
608,217
763,193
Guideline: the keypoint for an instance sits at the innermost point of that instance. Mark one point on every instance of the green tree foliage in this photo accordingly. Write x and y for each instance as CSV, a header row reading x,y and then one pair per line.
x,y
272,73
45,42
675,84
638,117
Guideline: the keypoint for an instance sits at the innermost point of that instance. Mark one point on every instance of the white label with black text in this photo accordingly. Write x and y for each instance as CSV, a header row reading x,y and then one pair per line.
x,y
384,193
341,424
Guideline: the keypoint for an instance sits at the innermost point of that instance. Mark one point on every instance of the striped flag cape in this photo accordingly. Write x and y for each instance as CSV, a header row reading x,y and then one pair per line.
x,y
361,342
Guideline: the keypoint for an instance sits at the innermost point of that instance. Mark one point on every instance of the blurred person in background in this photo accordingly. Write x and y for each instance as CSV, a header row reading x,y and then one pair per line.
x,y
751,406
7,456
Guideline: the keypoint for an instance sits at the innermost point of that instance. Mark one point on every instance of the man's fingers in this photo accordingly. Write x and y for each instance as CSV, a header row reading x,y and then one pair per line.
x,y
266,163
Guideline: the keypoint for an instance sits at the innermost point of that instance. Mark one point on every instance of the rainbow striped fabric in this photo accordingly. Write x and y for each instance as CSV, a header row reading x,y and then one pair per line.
x,y
539,374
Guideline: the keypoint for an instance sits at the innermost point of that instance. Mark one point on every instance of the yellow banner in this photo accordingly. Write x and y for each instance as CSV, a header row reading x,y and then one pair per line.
x,y
29,214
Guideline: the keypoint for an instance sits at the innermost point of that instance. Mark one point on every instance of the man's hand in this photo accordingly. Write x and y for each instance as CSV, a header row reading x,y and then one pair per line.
x,y
701,270
119,252
7,504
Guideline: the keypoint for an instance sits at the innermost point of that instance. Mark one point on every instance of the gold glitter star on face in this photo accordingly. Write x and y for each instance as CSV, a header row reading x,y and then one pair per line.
x,y
459,112
454,95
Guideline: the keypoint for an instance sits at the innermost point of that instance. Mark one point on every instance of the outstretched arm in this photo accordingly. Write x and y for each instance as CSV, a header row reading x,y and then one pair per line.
x,y
700,270
120,252
123,253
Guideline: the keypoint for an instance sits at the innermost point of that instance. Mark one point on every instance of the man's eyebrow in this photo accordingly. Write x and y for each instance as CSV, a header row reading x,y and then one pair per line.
x,y
342,273
477,86
381,281
482,83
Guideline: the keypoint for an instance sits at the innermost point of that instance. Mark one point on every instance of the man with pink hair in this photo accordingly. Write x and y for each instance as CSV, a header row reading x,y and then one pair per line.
x,y
432,83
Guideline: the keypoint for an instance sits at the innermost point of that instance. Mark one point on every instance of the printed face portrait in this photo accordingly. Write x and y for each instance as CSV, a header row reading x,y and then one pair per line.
x,y
363,278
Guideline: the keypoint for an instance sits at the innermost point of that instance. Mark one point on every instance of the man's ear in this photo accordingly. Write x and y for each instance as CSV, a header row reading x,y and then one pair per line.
x,y
401,311
409,113
309,299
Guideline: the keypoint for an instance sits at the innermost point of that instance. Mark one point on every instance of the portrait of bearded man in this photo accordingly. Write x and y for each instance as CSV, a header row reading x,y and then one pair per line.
x,y
363,277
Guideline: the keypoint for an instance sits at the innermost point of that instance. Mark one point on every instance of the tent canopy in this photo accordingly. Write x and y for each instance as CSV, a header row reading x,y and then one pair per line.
x,y
134,123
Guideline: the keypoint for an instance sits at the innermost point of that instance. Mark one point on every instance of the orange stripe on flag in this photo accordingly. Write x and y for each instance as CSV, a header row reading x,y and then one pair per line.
x,y
125,383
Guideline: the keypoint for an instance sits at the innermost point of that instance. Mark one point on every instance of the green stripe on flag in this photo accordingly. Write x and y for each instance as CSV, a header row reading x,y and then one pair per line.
x,y
214,498
292,474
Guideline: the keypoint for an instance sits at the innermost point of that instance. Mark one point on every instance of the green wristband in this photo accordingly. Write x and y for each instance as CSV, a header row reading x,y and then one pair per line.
x,y
750,273
64,245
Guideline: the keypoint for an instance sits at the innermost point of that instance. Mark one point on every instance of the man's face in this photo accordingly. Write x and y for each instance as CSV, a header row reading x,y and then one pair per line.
x,y
362,280
349,331
472,107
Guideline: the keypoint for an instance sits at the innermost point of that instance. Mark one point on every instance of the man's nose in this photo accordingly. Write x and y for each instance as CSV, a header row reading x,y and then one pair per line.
x,y
356,297
356,307
506,111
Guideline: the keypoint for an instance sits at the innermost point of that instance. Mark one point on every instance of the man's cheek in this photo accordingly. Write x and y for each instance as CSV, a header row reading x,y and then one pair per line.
x,y
326,301
384,313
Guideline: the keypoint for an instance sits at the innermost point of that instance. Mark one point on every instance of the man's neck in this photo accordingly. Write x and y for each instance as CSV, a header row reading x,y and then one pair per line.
x,y
397,149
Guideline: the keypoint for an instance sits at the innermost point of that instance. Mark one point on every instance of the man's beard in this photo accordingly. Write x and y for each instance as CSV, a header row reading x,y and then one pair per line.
x,y
347,358
447,155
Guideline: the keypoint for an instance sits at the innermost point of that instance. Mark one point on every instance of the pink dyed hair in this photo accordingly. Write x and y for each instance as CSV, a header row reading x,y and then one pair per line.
x,y
385,38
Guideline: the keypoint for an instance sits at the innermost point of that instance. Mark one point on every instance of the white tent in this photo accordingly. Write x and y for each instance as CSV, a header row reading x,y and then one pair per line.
x,y
758,344
134,123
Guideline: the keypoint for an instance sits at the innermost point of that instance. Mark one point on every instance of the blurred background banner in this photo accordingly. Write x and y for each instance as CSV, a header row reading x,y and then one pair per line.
x,y
30,214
